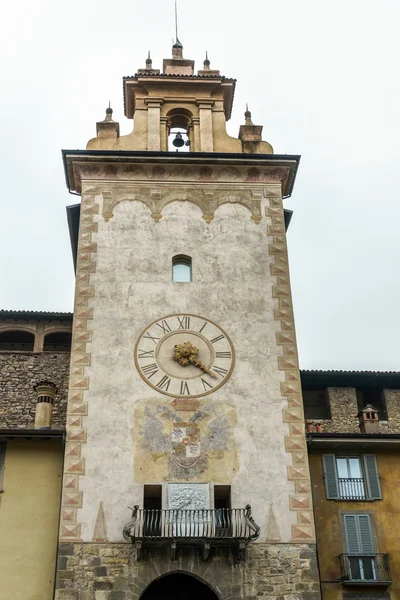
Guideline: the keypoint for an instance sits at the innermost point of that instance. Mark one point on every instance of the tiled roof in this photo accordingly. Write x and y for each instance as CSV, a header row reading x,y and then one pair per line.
x,y
33,314
333,371
180,76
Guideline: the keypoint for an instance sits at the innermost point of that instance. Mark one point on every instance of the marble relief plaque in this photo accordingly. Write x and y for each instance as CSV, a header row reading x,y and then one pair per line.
x,y
188,496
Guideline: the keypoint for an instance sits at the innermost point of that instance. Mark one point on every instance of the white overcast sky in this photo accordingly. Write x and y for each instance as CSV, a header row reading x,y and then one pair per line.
x,y
323,79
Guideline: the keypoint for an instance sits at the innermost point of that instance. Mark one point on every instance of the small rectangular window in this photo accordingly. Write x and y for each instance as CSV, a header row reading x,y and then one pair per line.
x,y
351,477
315,404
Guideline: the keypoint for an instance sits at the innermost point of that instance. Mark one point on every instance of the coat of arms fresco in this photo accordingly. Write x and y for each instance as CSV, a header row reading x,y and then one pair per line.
x,y
184,439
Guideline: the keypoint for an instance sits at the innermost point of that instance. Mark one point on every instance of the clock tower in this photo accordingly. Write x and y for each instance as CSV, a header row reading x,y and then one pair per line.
x,y
185,398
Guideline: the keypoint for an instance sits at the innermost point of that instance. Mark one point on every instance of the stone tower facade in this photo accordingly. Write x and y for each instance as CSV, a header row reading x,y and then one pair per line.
x,y
185,398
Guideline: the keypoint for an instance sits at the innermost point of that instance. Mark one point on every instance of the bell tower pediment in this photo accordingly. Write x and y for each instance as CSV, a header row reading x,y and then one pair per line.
x,y
198,104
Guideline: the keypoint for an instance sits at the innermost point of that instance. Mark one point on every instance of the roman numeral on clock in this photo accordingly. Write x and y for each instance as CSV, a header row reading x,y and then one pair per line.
x,y
207,386
184,322
164,326
204,324
163,384
184,388
147,353
222,355
150,370
148,336
217,339
220,371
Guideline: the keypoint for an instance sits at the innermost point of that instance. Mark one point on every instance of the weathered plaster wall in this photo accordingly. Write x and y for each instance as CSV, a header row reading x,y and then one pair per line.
x,y
386,520
29,513
240,281
19,373
110,572
232,286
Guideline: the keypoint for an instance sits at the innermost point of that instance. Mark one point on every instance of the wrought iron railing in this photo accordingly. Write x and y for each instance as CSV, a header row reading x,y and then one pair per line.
x,y
351,488
365,568
206,524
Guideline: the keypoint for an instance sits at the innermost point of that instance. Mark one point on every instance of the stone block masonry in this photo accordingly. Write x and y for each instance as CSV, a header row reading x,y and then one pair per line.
x,y
19,373
111,572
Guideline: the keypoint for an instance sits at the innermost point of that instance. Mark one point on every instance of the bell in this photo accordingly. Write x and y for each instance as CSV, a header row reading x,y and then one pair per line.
x,y
178,141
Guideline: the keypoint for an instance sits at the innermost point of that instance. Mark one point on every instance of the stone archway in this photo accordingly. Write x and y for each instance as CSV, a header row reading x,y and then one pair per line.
x,y
178,586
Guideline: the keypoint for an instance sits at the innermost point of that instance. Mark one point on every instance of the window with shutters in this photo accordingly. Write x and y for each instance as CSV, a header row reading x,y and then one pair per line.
x,y
361,565
351,477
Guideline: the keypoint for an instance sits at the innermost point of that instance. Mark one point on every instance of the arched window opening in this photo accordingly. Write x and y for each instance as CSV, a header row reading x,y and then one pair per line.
x,y
178,140
60,341
178,586
17,340
182,269
179,124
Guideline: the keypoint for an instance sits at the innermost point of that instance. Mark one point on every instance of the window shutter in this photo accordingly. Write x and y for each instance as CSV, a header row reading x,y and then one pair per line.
x,y
367,546
352,541
358,534
372,477
330,476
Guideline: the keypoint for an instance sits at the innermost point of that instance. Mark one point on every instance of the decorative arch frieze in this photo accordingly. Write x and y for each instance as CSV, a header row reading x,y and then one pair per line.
x,y
208,200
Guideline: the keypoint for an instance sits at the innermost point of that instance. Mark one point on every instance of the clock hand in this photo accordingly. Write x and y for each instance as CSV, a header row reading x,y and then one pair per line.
x,y
186,354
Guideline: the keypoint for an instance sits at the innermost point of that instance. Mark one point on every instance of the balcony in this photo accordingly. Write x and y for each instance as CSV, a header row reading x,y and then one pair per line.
x,y
203,528
366,569
351,488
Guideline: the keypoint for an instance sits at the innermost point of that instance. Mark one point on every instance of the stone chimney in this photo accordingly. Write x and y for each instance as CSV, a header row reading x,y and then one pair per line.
x,y
45,393
368,420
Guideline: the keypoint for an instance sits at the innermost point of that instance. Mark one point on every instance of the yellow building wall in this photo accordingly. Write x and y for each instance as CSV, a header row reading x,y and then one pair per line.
x,y
385,517
29,514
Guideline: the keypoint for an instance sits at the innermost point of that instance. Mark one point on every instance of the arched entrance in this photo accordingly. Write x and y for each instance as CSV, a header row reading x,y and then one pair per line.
x,y
178,586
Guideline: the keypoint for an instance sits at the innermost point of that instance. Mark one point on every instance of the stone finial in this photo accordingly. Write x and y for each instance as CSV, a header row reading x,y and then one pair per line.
x,y
247,115
149,67
45,394
108,128
206,70
250,134
177,65
177,50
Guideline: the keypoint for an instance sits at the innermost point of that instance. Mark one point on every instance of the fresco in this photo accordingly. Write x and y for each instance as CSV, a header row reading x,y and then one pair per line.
x,y
186,439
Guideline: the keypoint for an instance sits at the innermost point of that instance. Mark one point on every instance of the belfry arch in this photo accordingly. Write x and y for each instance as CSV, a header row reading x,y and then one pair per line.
x,y
178,586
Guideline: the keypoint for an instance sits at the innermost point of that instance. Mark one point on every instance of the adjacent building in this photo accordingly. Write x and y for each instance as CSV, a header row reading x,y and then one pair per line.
x,y
353,440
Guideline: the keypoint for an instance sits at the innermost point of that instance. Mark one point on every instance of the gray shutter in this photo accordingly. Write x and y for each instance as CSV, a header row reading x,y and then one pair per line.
x,y
364,524
352,539
372,477
358,534
330,476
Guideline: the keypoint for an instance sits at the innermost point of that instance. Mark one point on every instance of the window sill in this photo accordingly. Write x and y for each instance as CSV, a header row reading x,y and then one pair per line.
x,y
365,583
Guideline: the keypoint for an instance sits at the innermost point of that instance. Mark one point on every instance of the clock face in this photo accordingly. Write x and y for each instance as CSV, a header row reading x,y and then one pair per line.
x,y
184,355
